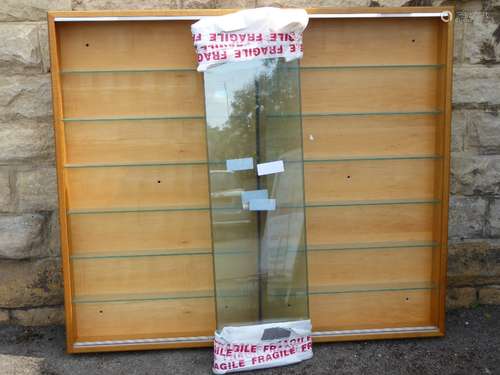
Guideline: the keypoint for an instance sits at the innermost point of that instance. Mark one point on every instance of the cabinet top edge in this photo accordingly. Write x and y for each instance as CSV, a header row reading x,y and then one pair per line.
x,y
193,14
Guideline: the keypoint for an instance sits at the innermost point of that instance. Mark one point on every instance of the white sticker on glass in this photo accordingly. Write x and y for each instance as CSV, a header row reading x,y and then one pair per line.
x,y
242,164
262,204
270,168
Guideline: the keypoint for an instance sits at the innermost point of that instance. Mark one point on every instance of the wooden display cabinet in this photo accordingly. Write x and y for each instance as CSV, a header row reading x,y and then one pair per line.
x,y
129,121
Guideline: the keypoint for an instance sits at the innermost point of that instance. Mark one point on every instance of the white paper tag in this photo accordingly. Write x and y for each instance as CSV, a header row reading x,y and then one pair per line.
x,y
261,346
270,168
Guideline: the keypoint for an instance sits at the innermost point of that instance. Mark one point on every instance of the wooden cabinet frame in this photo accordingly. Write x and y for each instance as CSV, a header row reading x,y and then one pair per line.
x,y
71,101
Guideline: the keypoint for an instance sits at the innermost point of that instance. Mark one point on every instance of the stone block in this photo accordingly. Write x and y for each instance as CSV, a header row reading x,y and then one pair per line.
x,y
30,283
43,37
473,175
476,85
464,8
474,262
483,132
26,140
54,242
198,4
458,31
230,4
489,295
458,127
467,217
482,37
5,190
494,218
30,10
41,316
457,298
125,4
25,97
19,48
21,235
4,316
37,189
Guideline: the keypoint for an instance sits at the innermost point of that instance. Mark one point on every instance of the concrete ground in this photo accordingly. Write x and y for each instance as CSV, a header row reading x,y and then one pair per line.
x,y
471,346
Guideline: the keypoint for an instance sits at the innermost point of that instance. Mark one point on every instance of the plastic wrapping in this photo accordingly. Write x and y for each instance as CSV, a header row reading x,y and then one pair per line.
x,y
250,34
261,346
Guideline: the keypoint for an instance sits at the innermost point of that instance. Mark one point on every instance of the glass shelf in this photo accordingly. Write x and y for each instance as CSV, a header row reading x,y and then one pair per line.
x,y
124,298
276,292
229,252
141,254
240,208
304,114
331,67
310,248
372,246
132,164
381,66
132,118
371,288
374,157
333,114
202,162
223,252
137,209
199,208
125,70
225,294
373,203
397,113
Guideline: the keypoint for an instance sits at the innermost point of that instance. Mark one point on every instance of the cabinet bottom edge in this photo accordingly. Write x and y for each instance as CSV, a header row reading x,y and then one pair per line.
x,y
203,341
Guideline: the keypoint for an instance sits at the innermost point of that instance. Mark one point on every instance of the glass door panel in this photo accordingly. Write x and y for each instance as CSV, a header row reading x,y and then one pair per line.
x,y
258,226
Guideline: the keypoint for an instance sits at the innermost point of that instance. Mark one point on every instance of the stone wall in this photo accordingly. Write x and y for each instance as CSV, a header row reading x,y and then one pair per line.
x,y
30,278
474,230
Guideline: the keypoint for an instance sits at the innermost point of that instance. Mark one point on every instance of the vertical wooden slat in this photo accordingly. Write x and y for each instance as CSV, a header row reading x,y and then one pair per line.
x,y
57,105
447,58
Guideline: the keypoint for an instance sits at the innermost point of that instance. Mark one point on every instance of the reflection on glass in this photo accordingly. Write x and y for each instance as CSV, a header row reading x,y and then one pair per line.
x,y
260,259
